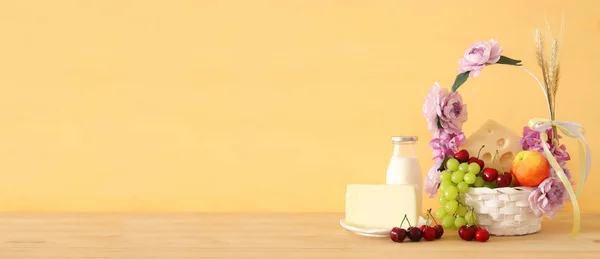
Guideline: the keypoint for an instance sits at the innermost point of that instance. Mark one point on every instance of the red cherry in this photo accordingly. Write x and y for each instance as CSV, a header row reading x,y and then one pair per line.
x,y
462,156
474,228
415,234
422,228
468,234
489,174
461,231
397,234
476,160
482,235
439,231
480,162
503,180
429,234
472,160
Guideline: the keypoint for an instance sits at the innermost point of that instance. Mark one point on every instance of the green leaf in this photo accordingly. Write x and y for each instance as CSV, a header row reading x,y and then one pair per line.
x,y
509,61
442,166
460,79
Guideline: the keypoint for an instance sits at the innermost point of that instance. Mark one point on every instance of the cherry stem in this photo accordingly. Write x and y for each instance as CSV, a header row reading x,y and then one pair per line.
x,y
500,163
403,219
434,221
480,151
494,159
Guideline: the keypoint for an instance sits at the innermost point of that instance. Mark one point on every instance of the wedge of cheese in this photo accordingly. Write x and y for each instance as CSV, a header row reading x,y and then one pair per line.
x,y
494,136
382,206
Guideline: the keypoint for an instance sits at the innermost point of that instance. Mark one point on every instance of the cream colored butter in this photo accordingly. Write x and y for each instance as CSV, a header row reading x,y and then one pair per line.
x,y
381,206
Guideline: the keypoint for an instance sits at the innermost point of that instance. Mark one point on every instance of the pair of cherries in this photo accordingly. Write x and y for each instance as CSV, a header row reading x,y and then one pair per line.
x,y
471,232
415,234
398,234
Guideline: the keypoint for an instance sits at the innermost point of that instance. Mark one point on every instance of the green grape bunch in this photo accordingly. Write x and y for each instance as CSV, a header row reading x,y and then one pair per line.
x,y
455,180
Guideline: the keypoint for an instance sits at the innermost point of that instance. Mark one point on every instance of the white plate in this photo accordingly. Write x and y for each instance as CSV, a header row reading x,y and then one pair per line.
x,y
368,232
371,232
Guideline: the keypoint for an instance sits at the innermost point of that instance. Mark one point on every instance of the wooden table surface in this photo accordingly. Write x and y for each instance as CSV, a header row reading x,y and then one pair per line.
x,y
174,236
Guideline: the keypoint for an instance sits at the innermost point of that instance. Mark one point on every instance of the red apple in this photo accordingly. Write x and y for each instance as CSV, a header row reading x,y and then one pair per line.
x,y
530,168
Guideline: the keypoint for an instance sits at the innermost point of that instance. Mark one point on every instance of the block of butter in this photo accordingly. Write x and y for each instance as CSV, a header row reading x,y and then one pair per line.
x,y
381,206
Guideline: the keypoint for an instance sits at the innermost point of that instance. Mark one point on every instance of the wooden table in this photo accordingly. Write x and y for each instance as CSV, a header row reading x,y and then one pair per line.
x,y
174,236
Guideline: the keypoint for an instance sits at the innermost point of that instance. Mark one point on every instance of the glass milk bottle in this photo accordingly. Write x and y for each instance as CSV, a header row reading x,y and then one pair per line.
x,y
404,166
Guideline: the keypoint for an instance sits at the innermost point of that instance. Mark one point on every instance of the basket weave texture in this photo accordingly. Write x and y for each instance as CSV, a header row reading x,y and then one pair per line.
x,y
504,211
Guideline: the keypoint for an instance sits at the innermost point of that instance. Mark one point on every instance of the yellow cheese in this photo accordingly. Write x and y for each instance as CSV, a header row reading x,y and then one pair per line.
x,y
495,137
381,206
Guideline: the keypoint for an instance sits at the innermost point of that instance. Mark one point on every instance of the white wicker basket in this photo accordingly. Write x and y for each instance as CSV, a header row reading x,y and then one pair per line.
x,y
504,211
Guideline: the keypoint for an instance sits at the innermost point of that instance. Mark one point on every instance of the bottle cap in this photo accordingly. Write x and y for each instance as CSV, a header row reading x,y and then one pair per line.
x,y
404,138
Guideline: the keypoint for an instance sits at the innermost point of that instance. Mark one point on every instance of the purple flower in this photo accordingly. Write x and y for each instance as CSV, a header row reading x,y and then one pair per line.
x,y
548,198
560,153
432,102
563,165
456,141
444,144
445,108
478,55
452,113
432,180
531,141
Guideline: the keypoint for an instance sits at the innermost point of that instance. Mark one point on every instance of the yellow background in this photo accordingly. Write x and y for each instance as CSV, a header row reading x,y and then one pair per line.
x,y
256,105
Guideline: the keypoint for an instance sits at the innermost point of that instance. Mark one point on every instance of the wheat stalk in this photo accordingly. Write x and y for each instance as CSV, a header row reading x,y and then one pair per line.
x,y
550,70
539,54
552,73
552,66
556,79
